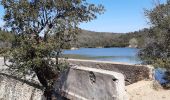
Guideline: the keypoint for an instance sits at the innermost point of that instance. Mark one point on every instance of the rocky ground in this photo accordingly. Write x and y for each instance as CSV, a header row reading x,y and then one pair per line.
x,y
147,90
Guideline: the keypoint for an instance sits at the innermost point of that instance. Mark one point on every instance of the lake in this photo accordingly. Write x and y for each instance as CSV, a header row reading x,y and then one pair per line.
x,y
125,55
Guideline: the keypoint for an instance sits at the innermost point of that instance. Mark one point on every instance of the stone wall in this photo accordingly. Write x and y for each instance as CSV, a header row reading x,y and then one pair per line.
x,y
15,89
132,73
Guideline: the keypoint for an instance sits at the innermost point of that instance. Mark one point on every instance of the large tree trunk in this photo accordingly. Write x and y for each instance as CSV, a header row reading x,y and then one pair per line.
x,y
48,93
47,76
48,89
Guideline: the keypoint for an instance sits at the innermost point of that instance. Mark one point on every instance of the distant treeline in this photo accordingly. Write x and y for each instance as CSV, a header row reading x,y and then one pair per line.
x,y
103,39
90,39
98,39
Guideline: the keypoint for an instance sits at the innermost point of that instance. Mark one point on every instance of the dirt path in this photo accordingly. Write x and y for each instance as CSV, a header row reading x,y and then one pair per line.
x,y
144,90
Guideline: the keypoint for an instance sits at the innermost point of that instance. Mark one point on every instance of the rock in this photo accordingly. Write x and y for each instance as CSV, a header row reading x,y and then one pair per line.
x,y
12,89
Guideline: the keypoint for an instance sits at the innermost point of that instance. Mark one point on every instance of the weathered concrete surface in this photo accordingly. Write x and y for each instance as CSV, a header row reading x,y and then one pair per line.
x,y
97,81
132,73
83,83
13,89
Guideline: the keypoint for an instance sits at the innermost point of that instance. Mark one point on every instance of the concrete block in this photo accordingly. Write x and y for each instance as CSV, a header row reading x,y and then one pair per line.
x,y
84,83
132,73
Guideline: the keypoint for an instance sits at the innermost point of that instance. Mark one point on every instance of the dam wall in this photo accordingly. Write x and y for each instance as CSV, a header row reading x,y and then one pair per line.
x,y
132,73
83,80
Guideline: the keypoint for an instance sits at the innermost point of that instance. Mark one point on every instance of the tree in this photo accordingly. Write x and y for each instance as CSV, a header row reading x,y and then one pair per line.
x,y
6,39
41,28
157,48
133,42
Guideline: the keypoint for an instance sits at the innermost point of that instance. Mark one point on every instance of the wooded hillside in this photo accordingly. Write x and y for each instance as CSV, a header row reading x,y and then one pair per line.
x,y
91,39
104,39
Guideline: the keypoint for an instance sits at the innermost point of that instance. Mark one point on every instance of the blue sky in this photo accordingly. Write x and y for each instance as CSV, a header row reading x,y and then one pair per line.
x,y
121,16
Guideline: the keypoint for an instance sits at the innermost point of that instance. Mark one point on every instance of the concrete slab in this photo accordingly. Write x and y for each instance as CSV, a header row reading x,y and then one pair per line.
x,y
132,73
83,83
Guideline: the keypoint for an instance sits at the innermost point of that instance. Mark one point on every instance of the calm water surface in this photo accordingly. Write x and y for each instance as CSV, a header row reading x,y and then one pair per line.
x,y
126,55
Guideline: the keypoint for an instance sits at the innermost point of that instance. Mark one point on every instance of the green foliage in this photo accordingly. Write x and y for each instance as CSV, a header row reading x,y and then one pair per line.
x,y
6,39
6,36
157,49
140,37
90,39
42,28
103,39
95,39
